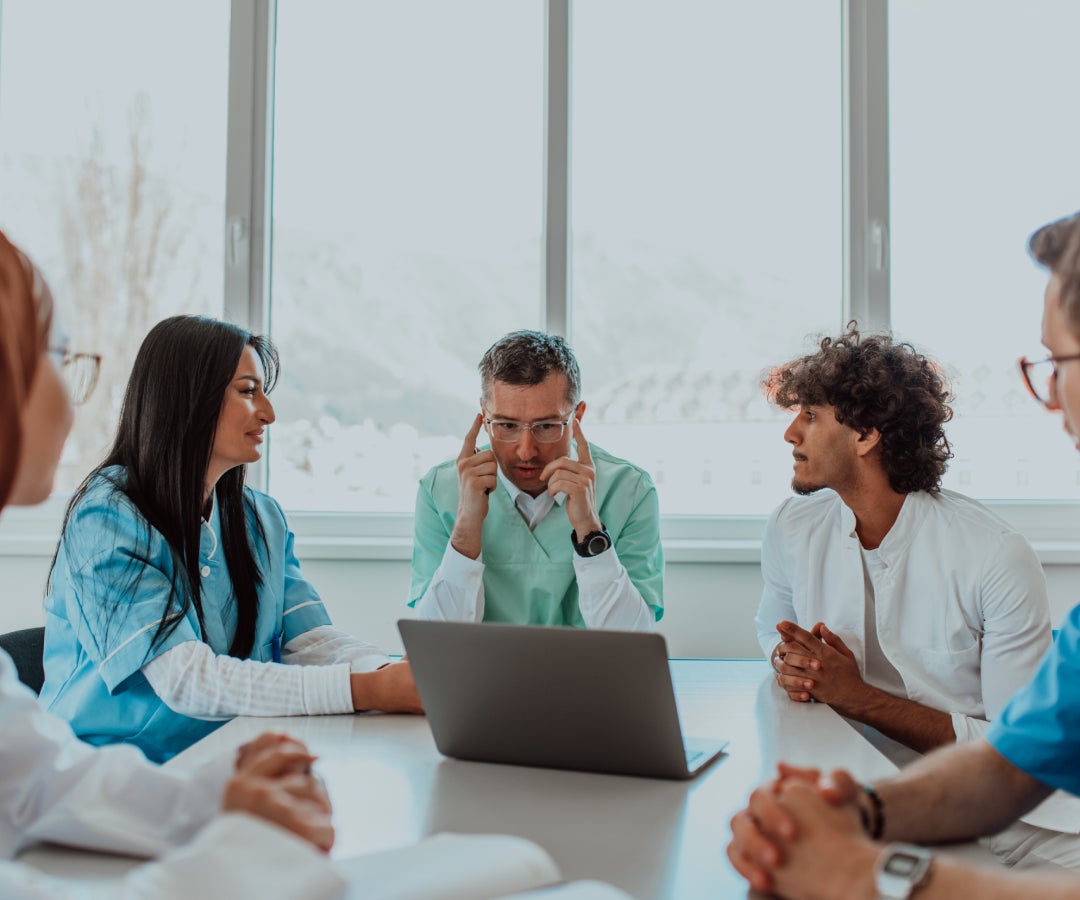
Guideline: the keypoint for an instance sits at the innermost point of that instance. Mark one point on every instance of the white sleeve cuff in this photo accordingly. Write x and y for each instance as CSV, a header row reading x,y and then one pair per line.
x,y
238,855
595,571
458,569
194,681
328,690
607,597
456,591
967,728
769,641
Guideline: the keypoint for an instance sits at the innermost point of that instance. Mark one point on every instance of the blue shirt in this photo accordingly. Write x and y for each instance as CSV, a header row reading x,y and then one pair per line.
x,y
1039,729
107,598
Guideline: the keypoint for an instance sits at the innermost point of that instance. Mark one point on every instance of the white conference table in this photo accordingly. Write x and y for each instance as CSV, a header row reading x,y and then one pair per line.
x,y
654,839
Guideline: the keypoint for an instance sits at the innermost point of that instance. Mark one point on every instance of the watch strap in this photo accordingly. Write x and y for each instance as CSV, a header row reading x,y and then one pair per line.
x,y
593,544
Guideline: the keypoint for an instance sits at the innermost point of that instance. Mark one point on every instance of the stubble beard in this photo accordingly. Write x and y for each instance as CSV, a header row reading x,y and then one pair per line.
x,y
805,488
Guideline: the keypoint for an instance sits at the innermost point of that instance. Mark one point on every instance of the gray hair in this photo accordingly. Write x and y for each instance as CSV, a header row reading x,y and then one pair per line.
x,y
527,358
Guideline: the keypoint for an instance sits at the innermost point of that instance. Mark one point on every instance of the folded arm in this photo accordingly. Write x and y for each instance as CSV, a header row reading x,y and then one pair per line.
x,y
804,840
818,664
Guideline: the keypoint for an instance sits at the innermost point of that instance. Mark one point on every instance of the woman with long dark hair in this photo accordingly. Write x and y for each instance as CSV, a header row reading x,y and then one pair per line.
x,y
175,598
55,787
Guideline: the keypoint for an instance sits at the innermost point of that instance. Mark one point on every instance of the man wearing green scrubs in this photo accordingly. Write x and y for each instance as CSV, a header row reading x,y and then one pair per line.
x,y
538,527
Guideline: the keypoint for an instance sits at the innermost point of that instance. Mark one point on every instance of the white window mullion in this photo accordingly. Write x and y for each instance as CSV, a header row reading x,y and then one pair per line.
x,y
248,171
556,293
866,163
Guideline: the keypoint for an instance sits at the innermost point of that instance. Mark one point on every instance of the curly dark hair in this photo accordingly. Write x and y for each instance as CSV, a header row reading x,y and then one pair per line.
x,y
873,383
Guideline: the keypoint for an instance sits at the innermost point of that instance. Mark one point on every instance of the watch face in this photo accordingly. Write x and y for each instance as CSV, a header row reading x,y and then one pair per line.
x,y
900,869
597,545
902,864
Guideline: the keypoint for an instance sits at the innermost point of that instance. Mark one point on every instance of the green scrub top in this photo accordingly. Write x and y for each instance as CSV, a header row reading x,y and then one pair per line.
x,y
529,575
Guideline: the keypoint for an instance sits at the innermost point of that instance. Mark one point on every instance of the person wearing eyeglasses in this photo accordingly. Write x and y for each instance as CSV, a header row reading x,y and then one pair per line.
x,y
216,827
538,526
175,599
906,607
808,835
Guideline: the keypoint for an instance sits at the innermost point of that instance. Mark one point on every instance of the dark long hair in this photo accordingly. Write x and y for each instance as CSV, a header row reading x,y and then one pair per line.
x,y
164,442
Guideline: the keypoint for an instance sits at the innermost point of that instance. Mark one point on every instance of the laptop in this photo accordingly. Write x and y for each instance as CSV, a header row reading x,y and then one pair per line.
x,y
563,698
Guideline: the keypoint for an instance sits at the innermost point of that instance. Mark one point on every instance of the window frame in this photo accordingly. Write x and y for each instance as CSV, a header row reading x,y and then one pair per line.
x,y
248,204
1053,526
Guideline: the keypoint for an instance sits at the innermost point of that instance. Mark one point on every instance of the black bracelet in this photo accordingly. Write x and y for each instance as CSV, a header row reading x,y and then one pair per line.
x,y
875,828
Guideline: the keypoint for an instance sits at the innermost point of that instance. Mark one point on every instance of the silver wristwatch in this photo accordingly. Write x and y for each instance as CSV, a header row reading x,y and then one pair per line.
x,y
900,869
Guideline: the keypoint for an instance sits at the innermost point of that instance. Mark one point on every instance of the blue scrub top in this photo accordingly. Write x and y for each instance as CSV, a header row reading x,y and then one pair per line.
x,y
106,601
1039,729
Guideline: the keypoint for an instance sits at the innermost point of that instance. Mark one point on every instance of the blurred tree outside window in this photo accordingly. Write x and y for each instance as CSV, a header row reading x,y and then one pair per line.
x,y
112,175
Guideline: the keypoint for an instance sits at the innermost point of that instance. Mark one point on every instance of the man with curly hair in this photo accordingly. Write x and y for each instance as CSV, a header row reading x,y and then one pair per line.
x,y
911,609
906,607
804,836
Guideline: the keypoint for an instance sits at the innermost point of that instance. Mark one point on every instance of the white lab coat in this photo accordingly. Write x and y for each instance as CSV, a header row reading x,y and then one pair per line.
x,y
53,787
961,605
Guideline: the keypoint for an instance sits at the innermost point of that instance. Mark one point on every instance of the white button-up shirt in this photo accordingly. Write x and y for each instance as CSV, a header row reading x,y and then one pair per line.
x,y
960,600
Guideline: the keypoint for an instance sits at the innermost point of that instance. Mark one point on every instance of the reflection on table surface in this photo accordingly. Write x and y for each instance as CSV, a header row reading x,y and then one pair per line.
x,y
650,837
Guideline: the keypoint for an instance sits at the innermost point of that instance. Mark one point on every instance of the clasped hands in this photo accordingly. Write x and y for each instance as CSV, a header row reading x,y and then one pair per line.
x,y
273,780
801,837
273,777
818,665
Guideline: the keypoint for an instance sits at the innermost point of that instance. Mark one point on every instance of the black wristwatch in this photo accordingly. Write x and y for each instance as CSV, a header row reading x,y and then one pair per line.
x,y
593,544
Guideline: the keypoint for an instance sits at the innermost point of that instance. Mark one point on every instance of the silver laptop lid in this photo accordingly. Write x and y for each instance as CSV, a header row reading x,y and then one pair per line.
x,y
568,698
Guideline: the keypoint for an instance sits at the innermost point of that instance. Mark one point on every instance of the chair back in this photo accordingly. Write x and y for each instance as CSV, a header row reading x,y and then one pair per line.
x,y
27,647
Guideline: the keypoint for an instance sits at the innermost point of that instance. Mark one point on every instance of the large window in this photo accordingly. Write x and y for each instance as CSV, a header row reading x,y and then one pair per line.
x,y
407,233
718,182
981,153
112,173
707,201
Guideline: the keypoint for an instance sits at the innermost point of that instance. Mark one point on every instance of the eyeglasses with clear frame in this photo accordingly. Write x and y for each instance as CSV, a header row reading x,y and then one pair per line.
x,y
80,371
1040,376
512,432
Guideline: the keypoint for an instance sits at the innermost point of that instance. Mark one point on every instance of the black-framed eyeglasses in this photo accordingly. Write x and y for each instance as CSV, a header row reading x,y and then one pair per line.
x,y
512,432
1040,376
80,371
